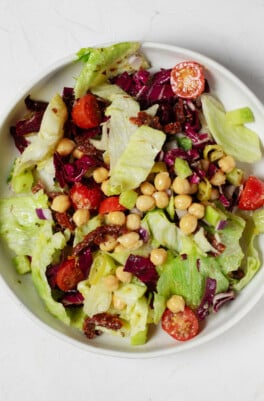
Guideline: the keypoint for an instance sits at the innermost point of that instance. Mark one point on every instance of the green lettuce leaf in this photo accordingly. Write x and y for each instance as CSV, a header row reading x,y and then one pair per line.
x,y
44,144
186,275
136,161
236,140
27,235
230,260
19,223
258,219
251,261
167,235
101,64
46,246
120,127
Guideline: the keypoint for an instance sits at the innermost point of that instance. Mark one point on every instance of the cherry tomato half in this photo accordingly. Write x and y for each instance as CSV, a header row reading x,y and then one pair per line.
x,y
182,326
86,112
111,204
252,196
187,79
85,198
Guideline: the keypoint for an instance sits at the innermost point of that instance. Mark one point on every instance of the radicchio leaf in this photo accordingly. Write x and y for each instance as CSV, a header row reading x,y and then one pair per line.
x,y
143,269
221,298
207,300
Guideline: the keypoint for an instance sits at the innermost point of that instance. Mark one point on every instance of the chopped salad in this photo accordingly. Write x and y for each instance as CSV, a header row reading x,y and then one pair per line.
x,y
129,206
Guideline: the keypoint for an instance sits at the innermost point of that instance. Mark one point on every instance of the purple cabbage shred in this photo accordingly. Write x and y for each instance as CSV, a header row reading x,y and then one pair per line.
x,y
221,298
85,260
143,269
204,308
73,172
72,298
35,105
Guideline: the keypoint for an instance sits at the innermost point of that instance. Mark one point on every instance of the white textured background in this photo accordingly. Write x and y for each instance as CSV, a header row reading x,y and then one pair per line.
x,y
33,364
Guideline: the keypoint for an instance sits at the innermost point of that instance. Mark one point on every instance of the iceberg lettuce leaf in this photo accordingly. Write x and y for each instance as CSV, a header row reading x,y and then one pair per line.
x,y
44,144
19,223
230,259
120,127
101,64
46,246
251,261
185,275
137,160
236,140
168,234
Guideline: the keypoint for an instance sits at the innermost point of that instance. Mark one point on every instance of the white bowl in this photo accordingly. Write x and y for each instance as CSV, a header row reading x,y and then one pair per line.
x,y
233,93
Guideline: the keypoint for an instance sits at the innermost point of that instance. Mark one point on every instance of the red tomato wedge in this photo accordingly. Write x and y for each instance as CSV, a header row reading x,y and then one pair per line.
x,y
252,196
187,79
68,275
182,326
111,204
85,198
86,112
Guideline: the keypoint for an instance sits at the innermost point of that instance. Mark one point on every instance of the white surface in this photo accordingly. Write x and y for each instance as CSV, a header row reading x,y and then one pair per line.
x,y
37,366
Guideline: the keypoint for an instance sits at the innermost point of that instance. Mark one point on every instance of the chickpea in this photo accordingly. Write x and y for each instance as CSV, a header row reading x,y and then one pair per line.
x,y
124,277
106,158
61,203
100,174
77,153
147,188
105,186
188,223
119,248
214,194
193,189
65,146
133,221
145,203
111,282
182,202
130,240
162,181
161,199
176,304
118,303
227,164
108,244
218,178
158,256
81,216
197,210
181,186
116,218
205,164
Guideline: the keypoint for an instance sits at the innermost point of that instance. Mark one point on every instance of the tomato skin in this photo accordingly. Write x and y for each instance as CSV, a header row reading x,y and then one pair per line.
x,y
182,326
86,112
85,198
111,204
68,275
252,196
187,79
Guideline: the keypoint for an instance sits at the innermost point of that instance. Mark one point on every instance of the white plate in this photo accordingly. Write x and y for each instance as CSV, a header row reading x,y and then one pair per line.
x,y
233,93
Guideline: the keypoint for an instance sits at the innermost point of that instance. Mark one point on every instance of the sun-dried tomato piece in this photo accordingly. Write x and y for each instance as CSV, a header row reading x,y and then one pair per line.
x,y
97,236
89,329
144,118
180,111
173,128
37,187
64,220
107,320
85,146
